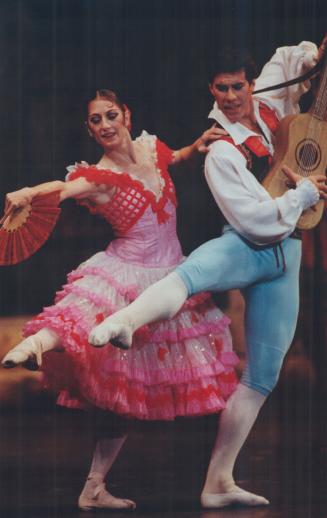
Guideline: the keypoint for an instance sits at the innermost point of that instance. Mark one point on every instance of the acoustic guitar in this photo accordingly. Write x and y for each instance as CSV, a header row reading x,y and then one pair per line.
x,y
301,144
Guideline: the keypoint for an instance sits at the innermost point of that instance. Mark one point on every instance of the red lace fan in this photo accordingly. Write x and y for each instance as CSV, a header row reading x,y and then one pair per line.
x,y
25,230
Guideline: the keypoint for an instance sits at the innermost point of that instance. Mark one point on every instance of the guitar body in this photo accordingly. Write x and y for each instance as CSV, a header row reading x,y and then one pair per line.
x,y
301,144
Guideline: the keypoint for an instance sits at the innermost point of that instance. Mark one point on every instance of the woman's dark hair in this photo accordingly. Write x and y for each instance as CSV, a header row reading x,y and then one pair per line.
x,y
108,95
231,60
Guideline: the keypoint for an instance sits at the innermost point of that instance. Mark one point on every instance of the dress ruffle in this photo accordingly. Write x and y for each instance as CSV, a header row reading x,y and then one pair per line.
x,y
180,367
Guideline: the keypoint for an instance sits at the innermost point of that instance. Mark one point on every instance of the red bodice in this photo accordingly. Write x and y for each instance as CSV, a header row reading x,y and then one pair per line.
x,y
131,197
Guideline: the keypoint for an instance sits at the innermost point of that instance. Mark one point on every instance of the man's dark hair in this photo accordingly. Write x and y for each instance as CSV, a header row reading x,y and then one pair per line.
x,y
230,60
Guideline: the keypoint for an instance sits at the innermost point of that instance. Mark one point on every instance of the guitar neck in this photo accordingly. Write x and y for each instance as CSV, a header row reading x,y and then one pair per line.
x,y
319,106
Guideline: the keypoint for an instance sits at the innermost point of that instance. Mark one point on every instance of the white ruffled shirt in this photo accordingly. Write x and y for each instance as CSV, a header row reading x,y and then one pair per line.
x,y
245,203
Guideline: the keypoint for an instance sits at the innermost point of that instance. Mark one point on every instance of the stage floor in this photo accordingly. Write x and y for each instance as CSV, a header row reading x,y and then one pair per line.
x,y
45,454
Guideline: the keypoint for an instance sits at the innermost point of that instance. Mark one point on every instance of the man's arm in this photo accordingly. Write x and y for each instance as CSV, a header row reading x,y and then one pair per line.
x,y
246,205
287,63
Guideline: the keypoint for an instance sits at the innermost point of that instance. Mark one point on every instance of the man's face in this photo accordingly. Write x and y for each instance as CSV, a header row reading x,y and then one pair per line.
x,y
233,94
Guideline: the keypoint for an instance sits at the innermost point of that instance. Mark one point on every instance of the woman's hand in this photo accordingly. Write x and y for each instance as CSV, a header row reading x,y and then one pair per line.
x,y
318,180
200,145
207,137
16,200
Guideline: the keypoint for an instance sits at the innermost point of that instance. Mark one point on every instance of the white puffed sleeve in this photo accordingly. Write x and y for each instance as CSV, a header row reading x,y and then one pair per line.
x,y
287,63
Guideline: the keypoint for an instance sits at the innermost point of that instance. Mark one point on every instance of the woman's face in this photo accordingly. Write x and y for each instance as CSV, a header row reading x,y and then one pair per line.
x,y
107,123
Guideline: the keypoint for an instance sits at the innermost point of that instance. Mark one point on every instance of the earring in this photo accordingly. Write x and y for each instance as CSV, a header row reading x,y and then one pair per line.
x,y
90,134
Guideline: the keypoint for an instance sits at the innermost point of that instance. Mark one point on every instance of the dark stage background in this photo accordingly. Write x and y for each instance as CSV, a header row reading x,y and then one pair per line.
x,y
53,55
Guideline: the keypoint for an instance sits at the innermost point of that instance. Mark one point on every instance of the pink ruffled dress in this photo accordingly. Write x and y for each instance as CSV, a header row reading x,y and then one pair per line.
x,y
180,367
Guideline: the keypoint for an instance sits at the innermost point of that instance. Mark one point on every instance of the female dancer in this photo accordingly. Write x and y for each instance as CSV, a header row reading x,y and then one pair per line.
x,y
182,367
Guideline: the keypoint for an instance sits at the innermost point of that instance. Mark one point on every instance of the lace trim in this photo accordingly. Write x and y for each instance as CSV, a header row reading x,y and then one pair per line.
x,y
130,292
84,293
171,336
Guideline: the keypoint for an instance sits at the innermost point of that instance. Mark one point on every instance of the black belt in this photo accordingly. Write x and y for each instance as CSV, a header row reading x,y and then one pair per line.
x,y
277,247
296,234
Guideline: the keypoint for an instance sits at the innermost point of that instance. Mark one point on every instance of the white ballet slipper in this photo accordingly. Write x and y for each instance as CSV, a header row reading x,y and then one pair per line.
x,y
235,497
27,353
118,334
95,495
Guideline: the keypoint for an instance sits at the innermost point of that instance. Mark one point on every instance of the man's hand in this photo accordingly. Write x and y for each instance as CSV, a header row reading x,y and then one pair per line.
x,y
209,136
318,180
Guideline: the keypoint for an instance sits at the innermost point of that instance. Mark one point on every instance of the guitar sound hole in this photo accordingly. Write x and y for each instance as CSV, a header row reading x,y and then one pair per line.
x,y
308,155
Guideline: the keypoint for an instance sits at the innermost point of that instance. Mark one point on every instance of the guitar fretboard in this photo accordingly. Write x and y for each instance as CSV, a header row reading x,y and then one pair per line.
x,y
319,108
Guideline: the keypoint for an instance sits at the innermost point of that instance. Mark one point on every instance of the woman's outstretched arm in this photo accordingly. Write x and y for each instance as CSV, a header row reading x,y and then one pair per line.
x,y
71,189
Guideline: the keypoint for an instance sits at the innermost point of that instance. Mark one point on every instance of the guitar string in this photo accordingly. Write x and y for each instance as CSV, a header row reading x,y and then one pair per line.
x,y
315,128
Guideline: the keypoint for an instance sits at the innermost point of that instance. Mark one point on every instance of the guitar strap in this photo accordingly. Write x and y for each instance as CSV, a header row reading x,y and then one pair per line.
x,y
294,81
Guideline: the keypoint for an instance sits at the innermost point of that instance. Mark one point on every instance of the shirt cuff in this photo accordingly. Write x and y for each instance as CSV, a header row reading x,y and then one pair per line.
x,y
311,53
307,193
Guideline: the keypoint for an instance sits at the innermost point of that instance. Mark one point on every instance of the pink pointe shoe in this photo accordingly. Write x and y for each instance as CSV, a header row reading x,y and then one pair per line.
x,y
95,496
27,353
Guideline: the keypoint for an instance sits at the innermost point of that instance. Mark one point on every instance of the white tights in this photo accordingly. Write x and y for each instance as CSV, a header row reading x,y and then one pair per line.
x,y
235,424
105,454
31,349
94,494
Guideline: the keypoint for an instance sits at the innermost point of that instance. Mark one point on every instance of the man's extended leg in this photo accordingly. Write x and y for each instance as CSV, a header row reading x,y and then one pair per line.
x,y
221,264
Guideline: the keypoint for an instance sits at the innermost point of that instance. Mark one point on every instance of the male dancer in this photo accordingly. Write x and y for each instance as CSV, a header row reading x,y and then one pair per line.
x,y
259,251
